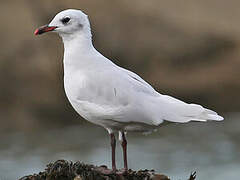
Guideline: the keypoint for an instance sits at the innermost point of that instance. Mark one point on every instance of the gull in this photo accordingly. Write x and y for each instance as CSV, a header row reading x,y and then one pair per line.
x,y
108,95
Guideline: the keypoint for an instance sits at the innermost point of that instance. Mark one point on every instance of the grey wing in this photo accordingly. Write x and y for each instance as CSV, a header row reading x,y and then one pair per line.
x,y
139,82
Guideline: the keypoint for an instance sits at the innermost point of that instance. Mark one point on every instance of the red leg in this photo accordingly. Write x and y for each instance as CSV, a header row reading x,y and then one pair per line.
x,y
124,146
113,145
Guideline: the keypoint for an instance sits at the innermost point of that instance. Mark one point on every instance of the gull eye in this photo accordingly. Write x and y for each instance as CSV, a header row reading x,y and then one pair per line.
x,y
65,20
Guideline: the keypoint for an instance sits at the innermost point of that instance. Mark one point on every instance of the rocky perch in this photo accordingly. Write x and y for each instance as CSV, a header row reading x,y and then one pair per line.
x,y
65,170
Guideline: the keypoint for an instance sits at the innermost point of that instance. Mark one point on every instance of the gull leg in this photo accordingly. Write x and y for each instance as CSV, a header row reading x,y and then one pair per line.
x,y
124,147
113,145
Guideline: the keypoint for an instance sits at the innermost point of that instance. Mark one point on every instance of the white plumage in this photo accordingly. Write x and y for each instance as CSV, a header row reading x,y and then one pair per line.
x,y
108,95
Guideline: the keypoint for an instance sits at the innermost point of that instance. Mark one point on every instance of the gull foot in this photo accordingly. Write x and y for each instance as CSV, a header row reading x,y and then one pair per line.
x,y
104,170
122,171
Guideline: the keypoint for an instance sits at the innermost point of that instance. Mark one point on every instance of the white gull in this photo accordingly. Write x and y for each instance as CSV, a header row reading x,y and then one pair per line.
x,y
108,95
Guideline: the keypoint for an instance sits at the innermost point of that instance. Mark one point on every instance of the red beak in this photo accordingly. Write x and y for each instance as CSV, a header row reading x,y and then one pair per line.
x,y
44,29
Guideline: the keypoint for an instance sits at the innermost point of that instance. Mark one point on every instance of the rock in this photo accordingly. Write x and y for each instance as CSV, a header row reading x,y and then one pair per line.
x,y
67,170
77,178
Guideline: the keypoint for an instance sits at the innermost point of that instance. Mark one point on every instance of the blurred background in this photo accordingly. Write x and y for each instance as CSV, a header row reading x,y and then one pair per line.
x,y
187,49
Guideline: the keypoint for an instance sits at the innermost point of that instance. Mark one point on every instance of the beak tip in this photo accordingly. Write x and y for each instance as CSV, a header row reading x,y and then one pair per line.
x,y
36,32
44,29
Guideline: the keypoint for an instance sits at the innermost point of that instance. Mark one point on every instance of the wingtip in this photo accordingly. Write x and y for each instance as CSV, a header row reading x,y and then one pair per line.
x,y
215,117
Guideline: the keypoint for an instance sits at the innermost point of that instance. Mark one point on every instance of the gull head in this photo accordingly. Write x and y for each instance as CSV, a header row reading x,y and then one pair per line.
x,y
68,24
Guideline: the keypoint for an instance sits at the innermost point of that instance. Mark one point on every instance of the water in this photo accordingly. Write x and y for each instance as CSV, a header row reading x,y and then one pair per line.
x,y
212,149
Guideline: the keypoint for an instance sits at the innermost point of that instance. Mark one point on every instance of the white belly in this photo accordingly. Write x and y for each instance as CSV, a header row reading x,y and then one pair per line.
x,y
98,103
89,100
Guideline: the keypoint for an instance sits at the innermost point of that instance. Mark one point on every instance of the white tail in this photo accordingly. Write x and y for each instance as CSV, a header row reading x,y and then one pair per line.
x,y
174,110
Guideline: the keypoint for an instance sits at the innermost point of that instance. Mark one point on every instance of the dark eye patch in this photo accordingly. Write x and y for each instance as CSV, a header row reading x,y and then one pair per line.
x,y
65,20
